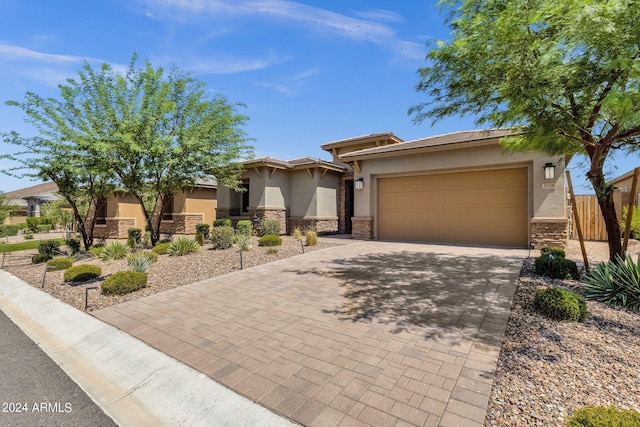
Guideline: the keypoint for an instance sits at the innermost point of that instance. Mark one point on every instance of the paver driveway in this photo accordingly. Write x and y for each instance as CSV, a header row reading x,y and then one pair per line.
x,y
369,333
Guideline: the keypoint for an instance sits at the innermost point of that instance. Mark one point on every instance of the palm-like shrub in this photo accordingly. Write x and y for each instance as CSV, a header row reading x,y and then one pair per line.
x,y
113,251
142,261
615,283
244,241
183,245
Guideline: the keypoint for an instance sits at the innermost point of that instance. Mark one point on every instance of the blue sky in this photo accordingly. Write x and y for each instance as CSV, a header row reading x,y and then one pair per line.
x,y
309,72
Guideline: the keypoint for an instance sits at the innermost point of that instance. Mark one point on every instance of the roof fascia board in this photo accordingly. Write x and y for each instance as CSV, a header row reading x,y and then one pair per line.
x,y
402,151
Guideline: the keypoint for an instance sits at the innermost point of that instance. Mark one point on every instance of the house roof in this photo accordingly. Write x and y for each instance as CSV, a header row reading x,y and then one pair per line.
x,y
387,137
623,177
300,163
449,140
45,189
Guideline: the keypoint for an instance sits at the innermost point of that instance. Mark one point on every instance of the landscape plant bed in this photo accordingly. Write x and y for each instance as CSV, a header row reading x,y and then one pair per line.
x,y
548,369
167,273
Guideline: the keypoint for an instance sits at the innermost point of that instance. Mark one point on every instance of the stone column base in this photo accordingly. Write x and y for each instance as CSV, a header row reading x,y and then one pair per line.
x,y
257,214
320,225
362,227
547,232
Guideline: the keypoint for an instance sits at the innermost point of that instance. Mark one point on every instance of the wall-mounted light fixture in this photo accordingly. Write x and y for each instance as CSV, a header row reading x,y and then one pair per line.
x,y
359,183
549,171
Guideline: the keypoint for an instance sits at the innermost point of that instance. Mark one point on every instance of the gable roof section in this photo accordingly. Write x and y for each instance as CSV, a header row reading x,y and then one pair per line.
x,y
301,163
357,143
439,142
623,177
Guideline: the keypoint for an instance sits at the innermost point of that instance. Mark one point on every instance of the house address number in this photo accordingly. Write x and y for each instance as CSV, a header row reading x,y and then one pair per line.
x,y
549,186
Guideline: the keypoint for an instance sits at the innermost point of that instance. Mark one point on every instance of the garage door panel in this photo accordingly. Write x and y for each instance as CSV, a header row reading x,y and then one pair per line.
x,y
480,207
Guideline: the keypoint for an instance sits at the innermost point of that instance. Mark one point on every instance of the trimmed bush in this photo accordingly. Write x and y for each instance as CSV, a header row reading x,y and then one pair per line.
x,y
82,273
203,229
133,237
40,258
556,266
223,222
615,283
57,264
269,226
161,248
553,250
11,229
123,282
600,416
270,240
222,237
244,227
183,245
560,304
142,261
33,222
44,228
113,251
50,247
27,236
311,237
634,231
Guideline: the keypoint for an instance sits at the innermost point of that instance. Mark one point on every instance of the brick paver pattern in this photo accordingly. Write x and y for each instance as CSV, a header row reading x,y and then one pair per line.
x,y
368,333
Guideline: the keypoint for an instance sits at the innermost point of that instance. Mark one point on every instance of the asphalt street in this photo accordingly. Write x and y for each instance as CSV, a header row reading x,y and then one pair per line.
x,y
34,391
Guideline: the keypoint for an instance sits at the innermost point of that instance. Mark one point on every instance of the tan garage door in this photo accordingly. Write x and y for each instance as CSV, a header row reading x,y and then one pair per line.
x,y
480,207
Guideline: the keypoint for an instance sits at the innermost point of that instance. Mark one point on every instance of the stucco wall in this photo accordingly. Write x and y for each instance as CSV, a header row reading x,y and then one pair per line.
x,y
203,201
303,193
125,206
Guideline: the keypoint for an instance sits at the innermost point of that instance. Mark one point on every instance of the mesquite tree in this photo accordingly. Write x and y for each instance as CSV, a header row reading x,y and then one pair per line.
x,y
566,74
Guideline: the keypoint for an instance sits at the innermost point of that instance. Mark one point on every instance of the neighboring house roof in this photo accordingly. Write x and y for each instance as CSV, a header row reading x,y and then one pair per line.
x,y
17,197
435,142
301,163
44,197
623,177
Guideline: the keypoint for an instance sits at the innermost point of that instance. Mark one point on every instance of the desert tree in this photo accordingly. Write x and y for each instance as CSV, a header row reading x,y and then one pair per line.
x,y
565,75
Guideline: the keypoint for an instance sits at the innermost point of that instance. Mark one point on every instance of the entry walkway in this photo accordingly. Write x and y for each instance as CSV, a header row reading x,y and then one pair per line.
x,y
369,333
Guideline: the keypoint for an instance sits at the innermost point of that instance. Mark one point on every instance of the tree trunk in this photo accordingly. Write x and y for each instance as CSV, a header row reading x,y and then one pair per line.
x,y
608,210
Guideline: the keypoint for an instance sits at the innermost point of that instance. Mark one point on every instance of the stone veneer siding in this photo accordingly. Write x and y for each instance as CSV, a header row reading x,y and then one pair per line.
x,y
116,228
362,227
321,225
257,214
343,202
181,224
546,232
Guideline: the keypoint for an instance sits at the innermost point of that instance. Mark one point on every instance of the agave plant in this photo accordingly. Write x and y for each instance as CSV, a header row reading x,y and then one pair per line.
x,y
114,250
183,245
244,241
142,261
615,283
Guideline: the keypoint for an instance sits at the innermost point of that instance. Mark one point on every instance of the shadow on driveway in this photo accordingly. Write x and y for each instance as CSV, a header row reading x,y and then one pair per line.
x,y
443,294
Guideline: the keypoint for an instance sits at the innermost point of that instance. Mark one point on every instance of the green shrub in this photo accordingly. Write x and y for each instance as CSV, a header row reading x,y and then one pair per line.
x,y
556,266
28,236
615,283
222,237
270,240
244,242
183,245
161,248
142,261
600,416
123,282
554,250
244,227
96,250
40,258
44,228
56,264
165,240
133,237
297,233
560,304
82,273
50,247
73,245
203,229
634,231
33,222
223,222
113,251
11,229
311,237
269,226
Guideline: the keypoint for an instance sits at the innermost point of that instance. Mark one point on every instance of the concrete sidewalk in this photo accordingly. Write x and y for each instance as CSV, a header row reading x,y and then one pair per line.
x,y
365,334
131,382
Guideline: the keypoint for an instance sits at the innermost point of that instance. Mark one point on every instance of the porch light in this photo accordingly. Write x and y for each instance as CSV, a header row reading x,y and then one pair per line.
x,y
549,171
359,183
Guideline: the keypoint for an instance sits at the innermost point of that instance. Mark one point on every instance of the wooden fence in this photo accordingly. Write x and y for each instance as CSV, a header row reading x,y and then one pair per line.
x,y
591,220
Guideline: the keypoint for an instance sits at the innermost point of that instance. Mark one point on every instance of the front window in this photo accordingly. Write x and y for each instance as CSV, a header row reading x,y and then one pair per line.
x,y
101,212
167,209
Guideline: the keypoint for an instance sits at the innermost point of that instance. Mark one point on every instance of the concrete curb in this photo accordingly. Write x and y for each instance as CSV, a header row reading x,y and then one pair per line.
x,y
133,383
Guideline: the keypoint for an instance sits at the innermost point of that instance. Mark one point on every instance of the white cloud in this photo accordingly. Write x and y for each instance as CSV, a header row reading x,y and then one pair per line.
x,y
226,64
314,18
16,53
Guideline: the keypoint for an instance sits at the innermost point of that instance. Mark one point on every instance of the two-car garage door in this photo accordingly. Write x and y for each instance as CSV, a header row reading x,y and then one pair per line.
x,y
486,207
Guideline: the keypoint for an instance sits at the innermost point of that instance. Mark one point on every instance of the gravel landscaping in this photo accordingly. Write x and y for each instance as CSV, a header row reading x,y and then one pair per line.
x,y
546,369
167,273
